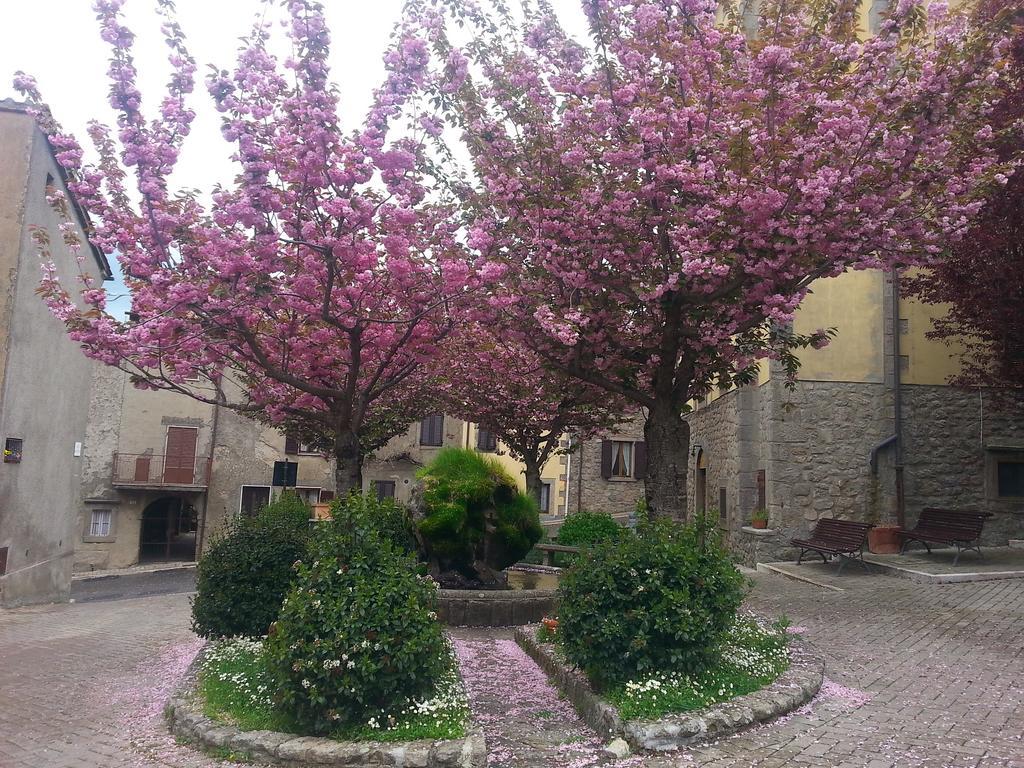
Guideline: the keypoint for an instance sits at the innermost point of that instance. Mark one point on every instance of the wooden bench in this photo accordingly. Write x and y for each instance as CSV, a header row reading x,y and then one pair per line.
x,y
835,538
549,551
952,527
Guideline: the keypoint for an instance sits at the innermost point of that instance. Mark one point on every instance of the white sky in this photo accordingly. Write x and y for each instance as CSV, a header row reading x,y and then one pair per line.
x,y
57,41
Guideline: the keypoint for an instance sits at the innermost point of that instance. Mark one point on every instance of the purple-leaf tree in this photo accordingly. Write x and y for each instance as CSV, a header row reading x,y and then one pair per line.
x,y
505,388
312,290
654,204
980,283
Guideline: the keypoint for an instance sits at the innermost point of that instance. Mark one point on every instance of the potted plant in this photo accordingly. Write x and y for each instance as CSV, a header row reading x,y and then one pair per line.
x,y
759,519
884,540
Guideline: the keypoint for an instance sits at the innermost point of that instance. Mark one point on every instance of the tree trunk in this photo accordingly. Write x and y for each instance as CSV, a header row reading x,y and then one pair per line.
x,y
534,486
348,463
668,452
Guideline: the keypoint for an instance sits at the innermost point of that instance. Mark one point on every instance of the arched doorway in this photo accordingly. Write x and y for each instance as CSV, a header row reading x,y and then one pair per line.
x,y
700,484
168,530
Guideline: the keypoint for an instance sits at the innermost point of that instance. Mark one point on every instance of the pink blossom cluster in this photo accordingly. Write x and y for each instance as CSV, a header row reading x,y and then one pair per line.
x,y
662,199
310,291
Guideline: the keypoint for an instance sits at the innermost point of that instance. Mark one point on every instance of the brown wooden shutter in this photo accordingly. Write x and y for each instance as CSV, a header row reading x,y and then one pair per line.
x,y
640,460
606,459
485,440
432,430
180,461
291,445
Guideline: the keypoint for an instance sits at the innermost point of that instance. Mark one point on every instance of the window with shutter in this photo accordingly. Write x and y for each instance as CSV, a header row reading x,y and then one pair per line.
x,y
291,445
385,489
486,441
253,499
622,459
639,460
432,430
606,459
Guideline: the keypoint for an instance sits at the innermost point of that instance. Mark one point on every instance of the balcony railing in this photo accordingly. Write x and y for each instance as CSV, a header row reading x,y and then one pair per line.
x,y
147,470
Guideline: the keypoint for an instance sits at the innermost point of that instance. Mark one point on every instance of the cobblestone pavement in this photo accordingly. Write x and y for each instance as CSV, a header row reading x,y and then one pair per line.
x,y
920,676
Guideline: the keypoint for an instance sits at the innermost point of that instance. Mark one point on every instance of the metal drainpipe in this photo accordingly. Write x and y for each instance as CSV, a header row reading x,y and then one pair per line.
x,y
209,479
897,400
579,481
895,439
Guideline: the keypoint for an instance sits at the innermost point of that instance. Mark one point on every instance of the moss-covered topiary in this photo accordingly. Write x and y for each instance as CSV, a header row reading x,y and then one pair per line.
x,y
472,519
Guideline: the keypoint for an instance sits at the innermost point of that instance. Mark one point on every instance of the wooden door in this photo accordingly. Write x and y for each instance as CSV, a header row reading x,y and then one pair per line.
x,y
180,461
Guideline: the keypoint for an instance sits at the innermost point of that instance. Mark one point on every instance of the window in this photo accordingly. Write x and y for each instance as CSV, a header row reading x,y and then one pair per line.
x,y
12,450
486,441
99,525
622,459
326,496
545,497
877,12
292,446
385,489
1010,479
750,12
308,495
254,498
432,430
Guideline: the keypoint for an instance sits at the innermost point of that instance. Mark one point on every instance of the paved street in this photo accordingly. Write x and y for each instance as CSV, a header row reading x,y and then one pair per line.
x,y
117,587
919,676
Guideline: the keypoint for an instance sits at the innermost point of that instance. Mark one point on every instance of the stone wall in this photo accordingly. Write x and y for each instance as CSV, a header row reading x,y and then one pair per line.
x,y
817,441
714,443
588,490
950,447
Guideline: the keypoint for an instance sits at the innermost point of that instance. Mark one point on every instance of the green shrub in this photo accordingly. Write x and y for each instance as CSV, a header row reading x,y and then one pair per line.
x,y
583,529
356,636
288,510
475,512
245,574
658,600
386,517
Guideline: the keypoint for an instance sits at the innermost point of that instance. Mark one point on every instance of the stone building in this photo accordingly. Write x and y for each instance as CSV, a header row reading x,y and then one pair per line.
x,y
606,472
44,379
871,431
163,472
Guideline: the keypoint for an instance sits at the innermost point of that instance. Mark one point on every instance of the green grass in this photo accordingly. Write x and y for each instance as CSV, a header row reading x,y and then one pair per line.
x,y
237,688
754,656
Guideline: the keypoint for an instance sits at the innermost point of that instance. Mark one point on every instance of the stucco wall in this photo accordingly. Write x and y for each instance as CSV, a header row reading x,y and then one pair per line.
x,y
45,395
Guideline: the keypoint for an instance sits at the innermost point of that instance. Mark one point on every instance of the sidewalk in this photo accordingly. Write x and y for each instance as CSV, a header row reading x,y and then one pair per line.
x,y
134,570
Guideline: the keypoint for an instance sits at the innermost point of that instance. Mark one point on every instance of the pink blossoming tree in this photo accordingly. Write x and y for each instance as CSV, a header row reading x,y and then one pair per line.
x,y
312,290
657,202
504,388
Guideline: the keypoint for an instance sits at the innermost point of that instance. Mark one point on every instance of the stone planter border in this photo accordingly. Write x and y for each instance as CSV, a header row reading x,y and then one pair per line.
x,y
494,608
187,722
794,688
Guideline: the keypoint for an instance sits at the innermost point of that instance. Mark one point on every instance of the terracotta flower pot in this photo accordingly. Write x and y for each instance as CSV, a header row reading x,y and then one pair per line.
x,y
758,523
551,624
884,539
